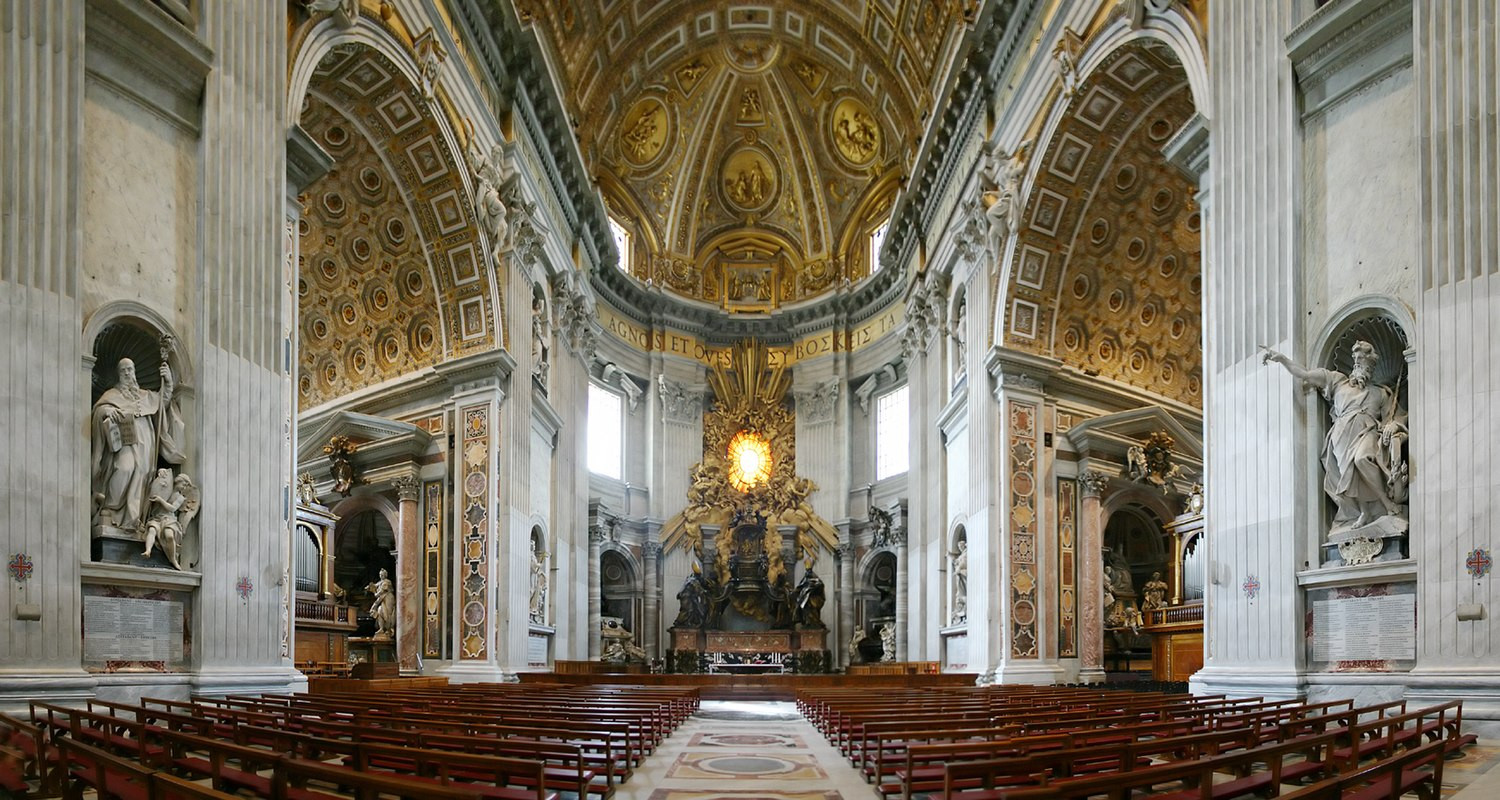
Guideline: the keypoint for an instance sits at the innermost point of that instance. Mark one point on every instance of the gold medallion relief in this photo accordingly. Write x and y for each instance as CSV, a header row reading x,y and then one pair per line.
x,y
750,180
855,133
643,135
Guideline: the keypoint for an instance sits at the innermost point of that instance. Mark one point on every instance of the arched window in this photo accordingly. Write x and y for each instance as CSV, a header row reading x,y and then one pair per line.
x,y
892,433
621,236
606,433
877,241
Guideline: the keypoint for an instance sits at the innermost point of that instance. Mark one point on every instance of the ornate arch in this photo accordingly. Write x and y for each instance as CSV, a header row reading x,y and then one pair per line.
x,y
1104,271
395,275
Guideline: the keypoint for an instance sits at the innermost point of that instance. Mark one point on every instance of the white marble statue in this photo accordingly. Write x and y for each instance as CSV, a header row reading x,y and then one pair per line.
x,y
888,642
1002,204
960,582
383,608
132,428
173,503
538,602
854,642
1364,466
541,340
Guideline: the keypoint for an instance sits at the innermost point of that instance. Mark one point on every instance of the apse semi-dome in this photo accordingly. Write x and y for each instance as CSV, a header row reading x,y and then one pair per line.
x,y
750,150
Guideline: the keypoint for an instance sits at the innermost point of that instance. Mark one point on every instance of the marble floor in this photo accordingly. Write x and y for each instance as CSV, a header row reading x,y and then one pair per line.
x,y
746,751
767,751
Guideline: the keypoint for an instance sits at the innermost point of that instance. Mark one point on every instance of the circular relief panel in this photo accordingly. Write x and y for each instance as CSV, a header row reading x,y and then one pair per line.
x,y
1024,612
643,133
749,180
854,132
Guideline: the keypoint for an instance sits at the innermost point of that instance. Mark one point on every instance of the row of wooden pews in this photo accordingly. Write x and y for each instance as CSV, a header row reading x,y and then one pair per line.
x,y
505,742
1046,743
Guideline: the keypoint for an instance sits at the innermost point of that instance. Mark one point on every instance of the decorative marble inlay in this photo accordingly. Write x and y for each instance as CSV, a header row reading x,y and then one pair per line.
x,y
1479,562
432,569
1023,528
475,570
1067,568
20,567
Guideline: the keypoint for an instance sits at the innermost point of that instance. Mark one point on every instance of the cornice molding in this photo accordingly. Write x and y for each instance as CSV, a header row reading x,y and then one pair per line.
x,y
144,53
1347,45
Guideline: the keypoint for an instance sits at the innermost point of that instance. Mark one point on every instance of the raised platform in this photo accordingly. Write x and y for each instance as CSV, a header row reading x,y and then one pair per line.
x,y
755,687
318,684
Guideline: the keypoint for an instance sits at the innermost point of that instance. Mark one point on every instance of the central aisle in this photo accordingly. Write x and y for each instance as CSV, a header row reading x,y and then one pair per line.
x,y
740,750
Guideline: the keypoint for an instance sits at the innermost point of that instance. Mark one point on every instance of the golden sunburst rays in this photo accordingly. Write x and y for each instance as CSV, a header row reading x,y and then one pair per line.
x,y
749,379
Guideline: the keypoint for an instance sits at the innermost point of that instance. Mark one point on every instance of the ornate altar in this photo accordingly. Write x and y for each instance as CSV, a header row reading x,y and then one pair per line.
x,y
748,526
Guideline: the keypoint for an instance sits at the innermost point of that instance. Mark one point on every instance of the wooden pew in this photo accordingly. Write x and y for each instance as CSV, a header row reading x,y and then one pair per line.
x,y
496,777
300,779
31,752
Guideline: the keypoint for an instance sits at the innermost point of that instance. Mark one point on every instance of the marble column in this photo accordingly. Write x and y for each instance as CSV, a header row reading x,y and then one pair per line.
x,y
596,538
843,555
408,574
1091,577
903,570
651,624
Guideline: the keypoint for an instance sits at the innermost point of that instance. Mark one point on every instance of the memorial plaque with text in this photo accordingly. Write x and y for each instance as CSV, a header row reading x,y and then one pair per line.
x,y
123,632
1370,632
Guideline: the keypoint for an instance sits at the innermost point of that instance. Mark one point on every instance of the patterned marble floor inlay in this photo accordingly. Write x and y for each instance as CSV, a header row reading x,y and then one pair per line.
x,y
723,794
746,751
746,740
788,767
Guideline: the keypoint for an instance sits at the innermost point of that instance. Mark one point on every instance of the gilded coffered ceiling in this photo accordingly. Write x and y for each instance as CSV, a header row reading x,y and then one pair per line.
x,y
390,273
750,149
1107,272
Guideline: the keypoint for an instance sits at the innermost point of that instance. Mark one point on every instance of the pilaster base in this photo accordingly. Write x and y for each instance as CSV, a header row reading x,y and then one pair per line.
x,y
473,672
1270,683
61,686
216,682
1479,689
1039,674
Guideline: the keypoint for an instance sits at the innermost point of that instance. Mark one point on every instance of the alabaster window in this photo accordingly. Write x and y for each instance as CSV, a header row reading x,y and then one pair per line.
x,y
606,432
892,434
622,243
877,241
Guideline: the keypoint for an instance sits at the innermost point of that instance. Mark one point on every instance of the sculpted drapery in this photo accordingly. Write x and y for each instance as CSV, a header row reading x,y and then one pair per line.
x,y
132,428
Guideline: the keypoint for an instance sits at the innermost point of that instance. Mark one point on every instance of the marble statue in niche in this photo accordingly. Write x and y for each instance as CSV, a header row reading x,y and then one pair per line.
x,y
538,601
888,642
960,574
811,596
134,430
541,347
1365,471
383,608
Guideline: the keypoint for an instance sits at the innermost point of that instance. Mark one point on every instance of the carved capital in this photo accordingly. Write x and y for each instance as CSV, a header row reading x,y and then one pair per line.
x,y
408,488
597,533
841,551
651,550
679,403
1093,483
820,403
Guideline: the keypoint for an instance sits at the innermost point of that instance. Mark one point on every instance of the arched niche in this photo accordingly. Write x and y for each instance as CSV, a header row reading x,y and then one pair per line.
x,y
1362,433
958,576
540,589
619,588
364,542
140,440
